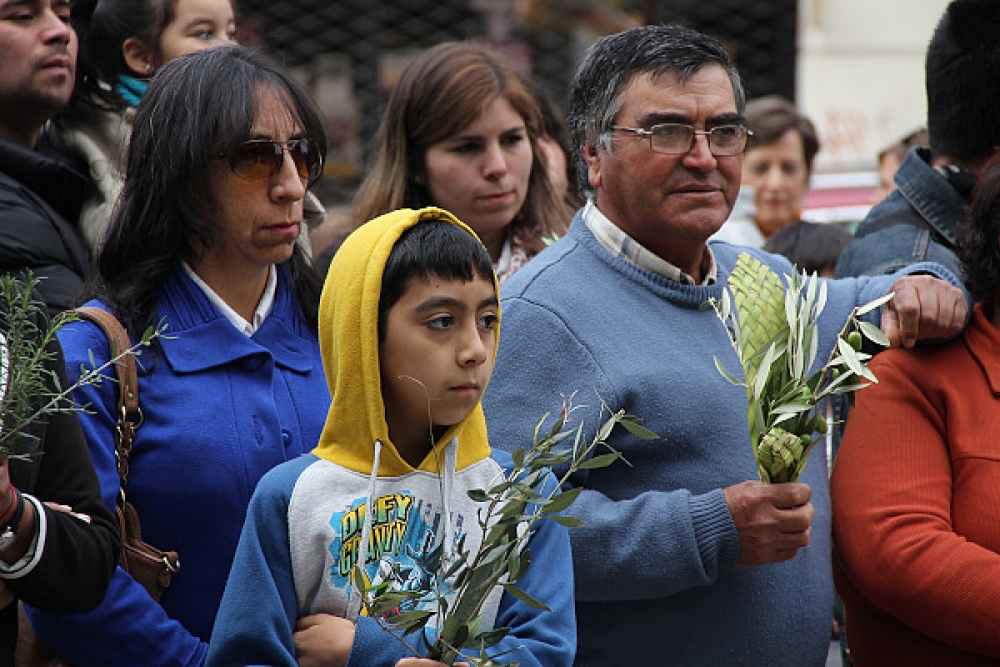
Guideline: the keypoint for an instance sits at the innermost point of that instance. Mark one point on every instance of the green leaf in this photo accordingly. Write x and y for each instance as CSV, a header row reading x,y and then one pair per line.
x,y
518,457
524,597
791,408
478,495
726,374
489,638
873,333
562,500
568,521
764,371
601,461
850,356
872,305
410,619
850,388
631,424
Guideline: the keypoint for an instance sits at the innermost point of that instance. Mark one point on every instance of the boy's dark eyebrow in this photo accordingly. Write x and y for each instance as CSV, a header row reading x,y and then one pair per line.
x,y
448,302
17,3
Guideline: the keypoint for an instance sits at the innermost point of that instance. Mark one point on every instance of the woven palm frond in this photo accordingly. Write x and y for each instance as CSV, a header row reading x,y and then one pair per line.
x,y
778,454
759,297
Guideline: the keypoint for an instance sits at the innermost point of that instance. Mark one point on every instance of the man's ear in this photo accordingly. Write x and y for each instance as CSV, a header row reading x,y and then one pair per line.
x,y
593,160
138,57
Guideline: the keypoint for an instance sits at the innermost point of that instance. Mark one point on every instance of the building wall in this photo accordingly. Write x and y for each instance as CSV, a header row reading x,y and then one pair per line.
x,y
860,74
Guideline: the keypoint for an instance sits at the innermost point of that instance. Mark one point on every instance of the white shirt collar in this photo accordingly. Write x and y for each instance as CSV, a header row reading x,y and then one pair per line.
x,y
264,307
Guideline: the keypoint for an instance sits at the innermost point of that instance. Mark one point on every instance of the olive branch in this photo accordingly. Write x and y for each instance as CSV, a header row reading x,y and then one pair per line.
x,y
29,389
512,507
774,330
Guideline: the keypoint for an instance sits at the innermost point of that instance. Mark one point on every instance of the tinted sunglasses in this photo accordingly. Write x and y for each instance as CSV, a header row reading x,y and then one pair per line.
x,y
261,159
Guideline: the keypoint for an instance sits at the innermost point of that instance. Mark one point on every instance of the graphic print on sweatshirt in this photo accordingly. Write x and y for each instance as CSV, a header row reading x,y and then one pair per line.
x,y
414,534
405,546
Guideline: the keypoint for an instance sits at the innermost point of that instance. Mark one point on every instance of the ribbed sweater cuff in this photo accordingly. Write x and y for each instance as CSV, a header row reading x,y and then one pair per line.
x,y
714,530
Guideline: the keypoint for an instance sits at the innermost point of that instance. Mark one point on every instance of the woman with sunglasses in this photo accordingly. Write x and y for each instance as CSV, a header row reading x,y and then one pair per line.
x,y
461,132
123,43
203,242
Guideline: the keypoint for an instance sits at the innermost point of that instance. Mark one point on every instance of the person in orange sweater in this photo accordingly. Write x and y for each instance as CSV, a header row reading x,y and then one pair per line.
x,y
916,484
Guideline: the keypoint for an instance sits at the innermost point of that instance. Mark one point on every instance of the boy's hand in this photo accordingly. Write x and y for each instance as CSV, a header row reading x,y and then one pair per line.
x,y
323,640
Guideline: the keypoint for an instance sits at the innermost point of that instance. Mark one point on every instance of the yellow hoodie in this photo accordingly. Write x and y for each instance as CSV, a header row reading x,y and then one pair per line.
x,y
348,328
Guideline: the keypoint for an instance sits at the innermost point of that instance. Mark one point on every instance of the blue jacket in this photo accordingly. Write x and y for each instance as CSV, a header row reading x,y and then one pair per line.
x,y
220,410
655,562
917,222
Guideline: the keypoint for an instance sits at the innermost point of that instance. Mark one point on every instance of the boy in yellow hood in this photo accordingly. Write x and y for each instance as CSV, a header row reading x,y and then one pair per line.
x,y
409,321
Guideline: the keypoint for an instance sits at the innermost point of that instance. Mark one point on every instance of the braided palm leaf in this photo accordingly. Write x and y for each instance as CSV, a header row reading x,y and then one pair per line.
x,y
759,298
773,328
781,455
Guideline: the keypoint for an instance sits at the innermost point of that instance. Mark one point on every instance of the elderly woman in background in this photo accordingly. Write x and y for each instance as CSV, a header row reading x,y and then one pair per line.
x,y
203,241
916,484
776,169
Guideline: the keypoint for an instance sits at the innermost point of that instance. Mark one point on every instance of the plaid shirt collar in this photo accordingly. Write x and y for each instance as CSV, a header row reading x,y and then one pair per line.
x,y
622,245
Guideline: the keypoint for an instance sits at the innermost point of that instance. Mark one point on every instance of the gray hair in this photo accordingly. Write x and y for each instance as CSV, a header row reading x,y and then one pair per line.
x,y
614,61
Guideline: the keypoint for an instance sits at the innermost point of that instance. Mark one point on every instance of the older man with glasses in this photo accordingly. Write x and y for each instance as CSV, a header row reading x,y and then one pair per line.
x,y
681,560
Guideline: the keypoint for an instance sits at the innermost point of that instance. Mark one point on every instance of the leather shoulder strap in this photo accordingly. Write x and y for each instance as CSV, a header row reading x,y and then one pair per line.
x,y
129,415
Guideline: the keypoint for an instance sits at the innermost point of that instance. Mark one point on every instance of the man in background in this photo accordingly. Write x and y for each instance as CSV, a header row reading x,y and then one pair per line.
x,y
39,195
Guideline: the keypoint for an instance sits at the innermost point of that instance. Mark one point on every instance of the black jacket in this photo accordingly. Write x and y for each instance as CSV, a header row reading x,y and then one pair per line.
x,y
39,197
77,559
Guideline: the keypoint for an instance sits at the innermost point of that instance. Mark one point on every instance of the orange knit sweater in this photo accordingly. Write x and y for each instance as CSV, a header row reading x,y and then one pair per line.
x,y
916,502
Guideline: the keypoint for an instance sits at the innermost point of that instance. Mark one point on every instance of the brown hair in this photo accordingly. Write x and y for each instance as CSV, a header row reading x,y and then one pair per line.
x,y
771,116
442,91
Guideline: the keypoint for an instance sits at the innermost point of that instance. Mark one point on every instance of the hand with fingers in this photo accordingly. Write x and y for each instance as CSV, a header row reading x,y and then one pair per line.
x,y
923,307
323,640
773,520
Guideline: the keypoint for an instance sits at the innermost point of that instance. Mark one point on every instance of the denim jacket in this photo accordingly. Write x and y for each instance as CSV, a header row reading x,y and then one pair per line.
x,y
917,222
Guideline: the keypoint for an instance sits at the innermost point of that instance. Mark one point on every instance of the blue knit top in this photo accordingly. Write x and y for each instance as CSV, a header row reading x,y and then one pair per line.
x,y
655,564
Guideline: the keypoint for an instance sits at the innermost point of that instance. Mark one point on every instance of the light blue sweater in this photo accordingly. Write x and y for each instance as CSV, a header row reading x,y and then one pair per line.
x,y
655,564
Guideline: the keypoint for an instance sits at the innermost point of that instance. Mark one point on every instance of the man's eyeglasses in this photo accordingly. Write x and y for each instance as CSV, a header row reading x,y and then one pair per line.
x,y
261,159
679,138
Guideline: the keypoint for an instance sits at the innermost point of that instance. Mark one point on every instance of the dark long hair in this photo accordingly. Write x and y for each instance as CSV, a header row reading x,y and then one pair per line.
x,y
979,236
198,106
102,27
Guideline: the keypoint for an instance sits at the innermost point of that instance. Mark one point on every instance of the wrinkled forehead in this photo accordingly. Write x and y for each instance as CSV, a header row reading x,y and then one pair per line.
x,y
676,96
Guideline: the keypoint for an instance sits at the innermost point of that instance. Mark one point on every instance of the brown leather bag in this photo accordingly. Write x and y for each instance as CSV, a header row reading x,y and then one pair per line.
x,y
151,567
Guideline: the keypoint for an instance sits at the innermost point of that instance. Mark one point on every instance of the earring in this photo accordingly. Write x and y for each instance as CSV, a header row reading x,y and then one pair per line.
x,y
149,68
